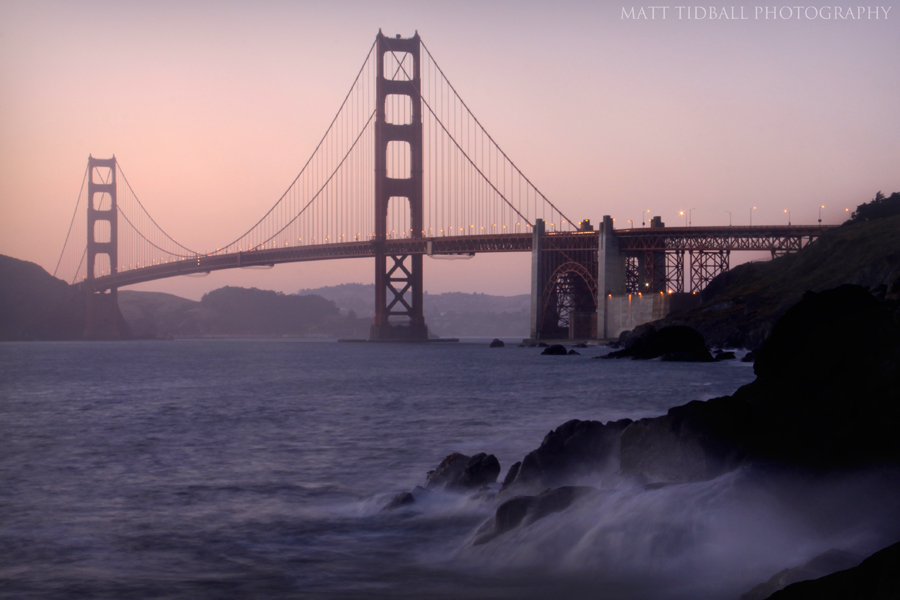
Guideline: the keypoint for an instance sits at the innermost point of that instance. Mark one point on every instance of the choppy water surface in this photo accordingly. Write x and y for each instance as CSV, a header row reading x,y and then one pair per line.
x,y
258,469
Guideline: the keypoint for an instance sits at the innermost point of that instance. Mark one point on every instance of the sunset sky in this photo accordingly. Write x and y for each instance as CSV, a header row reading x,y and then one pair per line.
x,y
212,108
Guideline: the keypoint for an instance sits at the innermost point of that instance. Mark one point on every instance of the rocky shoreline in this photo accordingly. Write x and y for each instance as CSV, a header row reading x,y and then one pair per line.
x,y
826,400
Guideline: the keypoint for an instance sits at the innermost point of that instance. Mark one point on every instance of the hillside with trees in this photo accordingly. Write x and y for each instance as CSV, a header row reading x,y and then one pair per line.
x,y
740,307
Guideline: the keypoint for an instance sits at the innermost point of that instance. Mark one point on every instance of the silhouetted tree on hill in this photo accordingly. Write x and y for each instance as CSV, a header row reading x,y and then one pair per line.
x,y
879,208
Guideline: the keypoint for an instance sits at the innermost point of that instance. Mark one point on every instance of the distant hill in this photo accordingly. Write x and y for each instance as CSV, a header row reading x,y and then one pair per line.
x,y
34,305
233,311
153,314
740,306
451,314
241,311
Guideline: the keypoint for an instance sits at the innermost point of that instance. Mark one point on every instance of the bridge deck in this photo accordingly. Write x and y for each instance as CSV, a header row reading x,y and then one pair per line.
x,y
772,238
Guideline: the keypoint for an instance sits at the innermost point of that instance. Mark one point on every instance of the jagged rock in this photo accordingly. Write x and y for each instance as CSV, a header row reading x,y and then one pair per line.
x,y
511,474
497,343
574,352
401,499
482,469
825,396
693,442
448,472
573,449
750,356
673,343
876,578
723,355
630,338
459,472
829,562
555,350
524,510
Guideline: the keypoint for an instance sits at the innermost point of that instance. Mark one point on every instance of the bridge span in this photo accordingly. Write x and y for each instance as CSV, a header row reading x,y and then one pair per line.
x,y
405,171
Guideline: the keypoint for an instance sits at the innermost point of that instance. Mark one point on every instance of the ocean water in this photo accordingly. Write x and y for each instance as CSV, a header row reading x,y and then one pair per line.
x,y
259,469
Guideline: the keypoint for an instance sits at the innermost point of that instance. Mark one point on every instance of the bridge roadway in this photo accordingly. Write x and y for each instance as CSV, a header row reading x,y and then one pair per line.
x,y
762,237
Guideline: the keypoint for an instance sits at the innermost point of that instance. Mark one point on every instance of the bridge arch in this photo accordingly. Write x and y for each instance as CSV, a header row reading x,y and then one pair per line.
x,y
569,301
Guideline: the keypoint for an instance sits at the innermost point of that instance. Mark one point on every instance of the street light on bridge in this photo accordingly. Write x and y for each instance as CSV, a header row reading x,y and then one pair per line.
x,y
681,212
643,215
820,214
789,215
729,217
751,215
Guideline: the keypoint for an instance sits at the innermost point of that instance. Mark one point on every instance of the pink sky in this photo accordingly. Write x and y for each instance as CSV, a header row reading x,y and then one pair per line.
x,y
212,107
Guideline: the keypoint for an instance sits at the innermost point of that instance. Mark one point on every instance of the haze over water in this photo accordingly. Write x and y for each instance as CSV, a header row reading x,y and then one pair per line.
x,y
258,469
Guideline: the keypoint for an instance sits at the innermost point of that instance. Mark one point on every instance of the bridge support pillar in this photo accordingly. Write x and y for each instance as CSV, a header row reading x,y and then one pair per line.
x,y
611,274
563,285
398,279
103,319
538,280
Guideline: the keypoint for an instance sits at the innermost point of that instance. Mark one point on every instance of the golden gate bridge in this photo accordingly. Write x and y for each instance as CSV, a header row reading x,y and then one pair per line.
x,y
406,170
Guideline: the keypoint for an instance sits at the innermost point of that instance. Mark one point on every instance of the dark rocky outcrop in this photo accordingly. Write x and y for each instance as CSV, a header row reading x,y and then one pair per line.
x,y
724,355
675,343
826,395
524,510
829,562
573,449
876,578
555,350
495,343
693,442
482,469
401,499
750,356
631,337
460,472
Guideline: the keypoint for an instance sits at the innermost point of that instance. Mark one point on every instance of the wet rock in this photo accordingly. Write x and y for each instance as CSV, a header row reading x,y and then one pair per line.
x,y
827,563
401,499
511,474
673,343
825,397
574,449
694,442
632,337
555,350
574,352
723,355
876,578
750,356
524,510
460,472
482,469
495,343
448,472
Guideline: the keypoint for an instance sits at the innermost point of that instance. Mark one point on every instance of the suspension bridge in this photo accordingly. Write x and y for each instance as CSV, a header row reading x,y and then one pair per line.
x,y
406,170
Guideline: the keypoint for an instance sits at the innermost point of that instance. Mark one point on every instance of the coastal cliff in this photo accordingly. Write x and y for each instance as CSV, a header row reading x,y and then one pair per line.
x,y
740,307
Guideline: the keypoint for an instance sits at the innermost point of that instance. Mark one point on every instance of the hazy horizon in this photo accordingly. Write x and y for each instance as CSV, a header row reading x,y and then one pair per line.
x,y
212,108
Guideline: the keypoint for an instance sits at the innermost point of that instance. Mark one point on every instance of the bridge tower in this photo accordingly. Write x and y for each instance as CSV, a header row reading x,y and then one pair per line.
x,y
398,279
102,318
